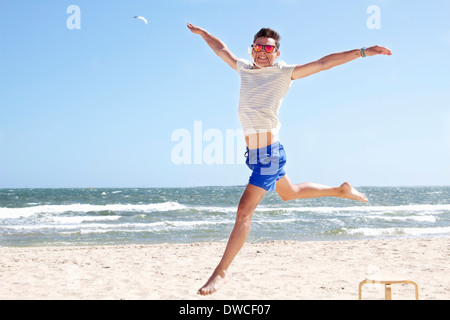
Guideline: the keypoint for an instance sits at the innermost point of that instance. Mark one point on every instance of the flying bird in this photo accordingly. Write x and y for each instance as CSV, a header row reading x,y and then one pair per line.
x,y
141,18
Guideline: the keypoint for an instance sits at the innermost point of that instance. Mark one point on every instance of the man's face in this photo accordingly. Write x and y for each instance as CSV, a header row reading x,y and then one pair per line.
x,y
263,58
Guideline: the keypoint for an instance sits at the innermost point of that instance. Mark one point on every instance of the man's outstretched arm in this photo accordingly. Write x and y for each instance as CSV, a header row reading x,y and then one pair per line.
x,y
216,44
335,59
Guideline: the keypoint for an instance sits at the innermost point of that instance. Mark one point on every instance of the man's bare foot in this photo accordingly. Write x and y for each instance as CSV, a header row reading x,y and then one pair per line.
x,y
348,192
217,280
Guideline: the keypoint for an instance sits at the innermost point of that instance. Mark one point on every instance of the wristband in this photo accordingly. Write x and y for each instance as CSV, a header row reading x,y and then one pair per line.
x,y
363,53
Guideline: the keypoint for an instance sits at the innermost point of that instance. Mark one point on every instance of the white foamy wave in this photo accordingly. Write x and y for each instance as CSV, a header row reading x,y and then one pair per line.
x,y
71,224
420,209
399,231
99,227
276,221
81,219
425,218
189,224
215,209
13,213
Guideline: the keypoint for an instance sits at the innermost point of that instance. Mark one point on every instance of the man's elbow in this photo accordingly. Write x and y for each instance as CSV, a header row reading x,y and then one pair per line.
x,y
220,50
324,65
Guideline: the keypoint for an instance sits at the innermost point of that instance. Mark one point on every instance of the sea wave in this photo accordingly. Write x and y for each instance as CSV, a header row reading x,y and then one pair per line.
x,y
398,231
186,218
422,209
13,213
116,227
438,208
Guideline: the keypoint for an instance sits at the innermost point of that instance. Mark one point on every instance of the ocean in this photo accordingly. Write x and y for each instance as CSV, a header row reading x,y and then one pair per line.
x,y
72,217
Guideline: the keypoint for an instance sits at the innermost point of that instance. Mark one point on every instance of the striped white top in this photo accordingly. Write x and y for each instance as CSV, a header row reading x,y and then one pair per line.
x,y
262,91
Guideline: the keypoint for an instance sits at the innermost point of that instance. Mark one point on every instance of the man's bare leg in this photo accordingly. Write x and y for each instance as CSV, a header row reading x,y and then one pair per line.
x,y
250,199
289,191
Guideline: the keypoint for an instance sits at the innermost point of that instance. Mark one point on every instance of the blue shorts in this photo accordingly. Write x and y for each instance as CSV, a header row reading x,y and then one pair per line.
x,y
267,165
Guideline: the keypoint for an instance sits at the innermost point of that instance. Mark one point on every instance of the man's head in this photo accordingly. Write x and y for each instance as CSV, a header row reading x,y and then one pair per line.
x,y
262,55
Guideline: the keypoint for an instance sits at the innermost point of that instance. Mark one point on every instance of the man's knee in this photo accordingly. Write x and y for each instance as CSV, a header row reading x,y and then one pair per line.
x,y
244,213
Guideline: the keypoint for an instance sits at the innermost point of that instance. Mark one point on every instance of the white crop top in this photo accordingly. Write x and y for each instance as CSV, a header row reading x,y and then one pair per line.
x,y
262,91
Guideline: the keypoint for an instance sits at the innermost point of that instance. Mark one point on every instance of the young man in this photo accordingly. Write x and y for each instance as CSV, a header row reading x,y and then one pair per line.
x,y
264,83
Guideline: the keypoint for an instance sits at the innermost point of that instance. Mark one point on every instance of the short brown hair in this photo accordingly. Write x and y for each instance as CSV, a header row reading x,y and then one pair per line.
x,y
268,33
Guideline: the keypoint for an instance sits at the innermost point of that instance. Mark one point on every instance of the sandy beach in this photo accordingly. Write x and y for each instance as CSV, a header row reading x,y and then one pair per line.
x,y
269,270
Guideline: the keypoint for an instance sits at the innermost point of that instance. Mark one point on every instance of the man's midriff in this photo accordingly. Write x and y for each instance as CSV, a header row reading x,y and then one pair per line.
x,y
259,140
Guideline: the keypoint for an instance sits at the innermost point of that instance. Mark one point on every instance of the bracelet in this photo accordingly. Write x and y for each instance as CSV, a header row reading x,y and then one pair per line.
x,y
363,53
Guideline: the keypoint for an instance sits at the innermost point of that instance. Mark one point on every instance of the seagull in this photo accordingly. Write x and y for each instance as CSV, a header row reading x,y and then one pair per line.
x,y
141,18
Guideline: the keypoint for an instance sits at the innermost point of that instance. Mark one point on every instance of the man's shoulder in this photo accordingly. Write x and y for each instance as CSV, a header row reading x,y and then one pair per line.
x,y
282,64
244,63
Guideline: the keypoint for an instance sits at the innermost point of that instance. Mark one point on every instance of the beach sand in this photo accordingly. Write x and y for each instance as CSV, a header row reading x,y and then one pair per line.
x,y
270,270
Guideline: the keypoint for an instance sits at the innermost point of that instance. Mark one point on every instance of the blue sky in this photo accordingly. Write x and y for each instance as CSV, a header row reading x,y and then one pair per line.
x,y
97,106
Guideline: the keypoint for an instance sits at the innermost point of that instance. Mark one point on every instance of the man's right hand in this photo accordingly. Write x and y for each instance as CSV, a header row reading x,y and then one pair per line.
x,y
216,44
195,29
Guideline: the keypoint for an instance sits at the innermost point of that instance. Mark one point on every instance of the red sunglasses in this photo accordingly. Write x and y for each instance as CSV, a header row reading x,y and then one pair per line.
x,y
267,48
